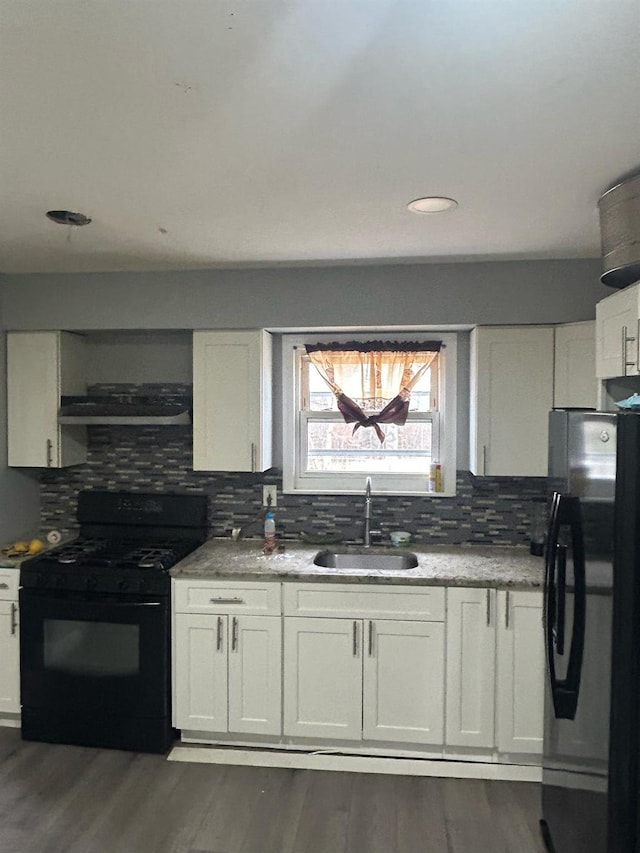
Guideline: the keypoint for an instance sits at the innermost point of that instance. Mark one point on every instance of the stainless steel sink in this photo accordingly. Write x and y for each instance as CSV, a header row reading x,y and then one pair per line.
x,y
366,559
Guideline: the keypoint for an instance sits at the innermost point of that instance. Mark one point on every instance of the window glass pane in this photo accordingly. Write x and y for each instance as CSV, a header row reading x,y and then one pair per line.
x,y
331,447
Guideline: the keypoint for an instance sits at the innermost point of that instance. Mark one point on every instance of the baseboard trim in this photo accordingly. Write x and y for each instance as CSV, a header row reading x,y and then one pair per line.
x,y
355,763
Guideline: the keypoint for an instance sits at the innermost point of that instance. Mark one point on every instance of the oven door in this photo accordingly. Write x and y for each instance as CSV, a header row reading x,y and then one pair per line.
x,y
100,661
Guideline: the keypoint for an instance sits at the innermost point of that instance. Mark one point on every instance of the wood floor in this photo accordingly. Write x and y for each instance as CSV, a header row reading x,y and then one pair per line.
x,y
65,799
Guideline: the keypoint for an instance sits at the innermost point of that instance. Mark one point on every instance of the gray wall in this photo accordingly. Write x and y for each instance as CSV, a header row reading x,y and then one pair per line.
x,y
402,295
408,295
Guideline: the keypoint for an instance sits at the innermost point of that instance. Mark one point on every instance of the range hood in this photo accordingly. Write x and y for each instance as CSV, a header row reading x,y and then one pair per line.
x,y
124,411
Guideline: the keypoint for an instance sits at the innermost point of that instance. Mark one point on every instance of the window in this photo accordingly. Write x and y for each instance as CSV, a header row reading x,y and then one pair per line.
x,y
322,453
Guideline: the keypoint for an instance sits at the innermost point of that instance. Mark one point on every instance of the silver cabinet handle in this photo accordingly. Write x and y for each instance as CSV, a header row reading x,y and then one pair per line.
x,y
14,622
355,639
234,634
506,610
49,453
625,340
370,638
226,600
4,585
488,607
219,637
484,459
253,457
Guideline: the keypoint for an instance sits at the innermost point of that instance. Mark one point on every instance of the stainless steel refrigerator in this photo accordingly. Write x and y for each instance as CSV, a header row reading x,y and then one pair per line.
x,y
591,764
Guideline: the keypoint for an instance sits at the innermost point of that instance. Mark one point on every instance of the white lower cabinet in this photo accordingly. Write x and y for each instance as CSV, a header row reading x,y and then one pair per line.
x,y
227,661
471,665
495,670
403,687
9,643
372,679
520,673
368,664
9,658
323,678
228,673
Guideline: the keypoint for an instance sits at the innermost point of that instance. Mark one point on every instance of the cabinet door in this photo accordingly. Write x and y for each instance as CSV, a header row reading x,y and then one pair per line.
x,y
200,673
617,330
575,383
255,674
471,677
511,395
41,366
9,658
323,678
232,401
403,696
520,681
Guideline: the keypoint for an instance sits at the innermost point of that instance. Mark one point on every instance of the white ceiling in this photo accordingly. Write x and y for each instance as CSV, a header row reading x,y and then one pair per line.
x,y
204,133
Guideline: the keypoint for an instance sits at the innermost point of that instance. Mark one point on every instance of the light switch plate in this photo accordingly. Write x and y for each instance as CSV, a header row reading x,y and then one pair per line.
x,y
270,496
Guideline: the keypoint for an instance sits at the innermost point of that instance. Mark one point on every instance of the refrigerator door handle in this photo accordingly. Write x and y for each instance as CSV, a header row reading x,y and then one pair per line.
x,y
565,511
562,598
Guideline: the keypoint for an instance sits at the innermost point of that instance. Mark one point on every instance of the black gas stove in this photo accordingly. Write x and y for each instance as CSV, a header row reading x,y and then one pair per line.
x,y
95,622
127,544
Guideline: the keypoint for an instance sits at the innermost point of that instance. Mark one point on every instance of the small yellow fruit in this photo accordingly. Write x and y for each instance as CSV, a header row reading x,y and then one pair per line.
x,y
21,547
35,545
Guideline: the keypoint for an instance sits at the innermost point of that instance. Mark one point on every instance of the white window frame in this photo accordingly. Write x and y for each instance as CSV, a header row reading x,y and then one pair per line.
x,y
295,481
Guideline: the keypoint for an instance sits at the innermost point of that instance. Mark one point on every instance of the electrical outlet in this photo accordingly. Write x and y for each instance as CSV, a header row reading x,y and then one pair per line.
x,y
270,496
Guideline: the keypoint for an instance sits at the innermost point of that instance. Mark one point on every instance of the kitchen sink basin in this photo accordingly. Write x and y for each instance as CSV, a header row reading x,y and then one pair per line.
x,y
366,559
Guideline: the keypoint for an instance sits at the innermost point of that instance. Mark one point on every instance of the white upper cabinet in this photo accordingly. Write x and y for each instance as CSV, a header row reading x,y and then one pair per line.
x,y
511,396
232,413
575,383
42,367
618,334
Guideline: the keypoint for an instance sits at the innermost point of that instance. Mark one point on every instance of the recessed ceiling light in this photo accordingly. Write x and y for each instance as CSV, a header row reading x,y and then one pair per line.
x,y
432,204
68,217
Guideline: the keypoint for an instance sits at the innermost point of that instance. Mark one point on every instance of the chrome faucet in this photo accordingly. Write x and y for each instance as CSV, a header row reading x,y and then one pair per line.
x,y
367,513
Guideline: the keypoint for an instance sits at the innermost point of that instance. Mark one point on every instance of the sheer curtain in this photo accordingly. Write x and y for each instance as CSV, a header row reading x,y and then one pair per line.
x,y
372,381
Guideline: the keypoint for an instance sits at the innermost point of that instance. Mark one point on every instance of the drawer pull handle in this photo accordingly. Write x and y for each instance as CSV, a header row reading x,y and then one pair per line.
x,y
226,600
4,585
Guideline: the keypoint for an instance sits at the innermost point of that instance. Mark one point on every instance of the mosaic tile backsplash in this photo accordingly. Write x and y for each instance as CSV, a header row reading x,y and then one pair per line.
x,y
488,510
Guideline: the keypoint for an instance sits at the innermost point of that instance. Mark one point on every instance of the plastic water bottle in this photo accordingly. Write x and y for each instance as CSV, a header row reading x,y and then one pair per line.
x,y
269,531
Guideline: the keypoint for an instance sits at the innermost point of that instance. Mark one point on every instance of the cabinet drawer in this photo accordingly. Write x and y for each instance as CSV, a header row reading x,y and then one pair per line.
x,y
9,581
192,596
356,601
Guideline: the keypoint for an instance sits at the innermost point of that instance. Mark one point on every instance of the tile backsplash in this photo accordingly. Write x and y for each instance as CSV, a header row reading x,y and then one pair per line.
x,y
490,510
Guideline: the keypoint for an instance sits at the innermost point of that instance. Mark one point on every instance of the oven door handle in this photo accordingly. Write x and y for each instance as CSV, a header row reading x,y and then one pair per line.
x,y
95,598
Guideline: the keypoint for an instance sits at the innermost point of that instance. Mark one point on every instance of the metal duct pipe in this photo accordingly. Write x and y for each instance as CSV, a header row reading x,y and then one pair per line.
x,y
620,233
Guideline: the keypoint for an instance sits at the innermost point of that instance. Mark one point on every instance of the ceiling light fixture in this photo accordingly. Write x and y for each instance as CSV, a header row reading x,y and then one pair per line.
x,y
68,217
432,204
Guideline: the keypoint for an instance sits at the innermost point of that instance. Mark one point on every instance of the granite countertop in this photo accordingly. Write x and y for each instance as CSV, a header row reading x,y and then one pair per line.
x,y
504,567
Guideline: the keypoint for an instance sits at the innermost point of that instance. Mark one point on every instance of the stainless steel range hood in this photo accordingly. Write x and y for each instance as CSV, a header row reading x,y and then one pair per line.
x,y
124,411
